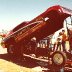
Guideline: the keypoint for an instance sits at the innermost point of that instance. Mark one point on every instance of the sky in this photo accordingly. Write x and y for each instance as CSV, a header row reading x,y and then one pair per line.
x,y
13,12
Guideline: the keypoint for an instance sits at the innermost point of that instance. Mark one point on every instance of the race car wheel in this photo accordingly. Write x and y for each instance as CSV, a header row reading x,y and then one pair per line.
x,y
10,50
59,59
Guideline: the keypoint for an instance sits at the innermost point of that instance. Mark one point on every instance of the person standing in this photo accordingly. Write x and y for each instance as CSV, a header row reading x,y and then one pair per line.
x,y
64,38
59,41
33,44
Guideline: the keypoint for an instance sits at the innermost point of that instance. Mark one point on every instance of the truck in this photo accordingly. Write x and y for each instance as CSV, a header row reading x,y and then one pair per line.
x,y
32,38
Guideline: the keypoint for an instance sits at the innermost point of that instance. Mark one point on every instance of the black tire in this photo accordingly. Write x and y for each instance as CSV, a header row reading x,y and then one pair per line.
x,y
10,50
15,51
59,59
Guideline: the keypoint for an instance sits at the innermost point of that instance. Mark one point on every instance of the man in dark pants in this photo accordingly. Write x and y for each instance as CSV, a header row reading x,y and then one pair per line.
x,y
59,41
64,38
58,44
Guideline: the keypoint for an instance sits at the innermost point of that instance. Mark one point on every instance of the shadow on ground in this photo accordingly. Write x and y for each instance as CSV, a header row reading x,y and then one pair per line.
x,y
22,61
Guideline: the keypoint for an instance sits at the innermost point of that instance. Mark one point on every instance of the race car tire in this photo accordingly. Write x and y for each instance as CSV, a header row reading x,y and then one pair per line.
x,y
59,59
10,50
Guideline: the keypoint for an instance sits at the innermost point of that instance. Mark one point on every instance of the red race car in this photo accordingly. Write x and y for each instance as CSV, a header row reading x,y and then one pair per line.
x,y
32,39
